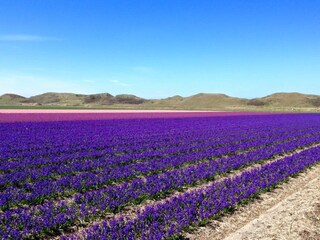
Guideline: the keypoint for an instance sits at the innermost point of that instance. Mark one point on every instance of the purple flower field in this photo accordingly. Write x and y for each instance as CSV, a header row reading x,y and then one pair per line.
x,y
142,177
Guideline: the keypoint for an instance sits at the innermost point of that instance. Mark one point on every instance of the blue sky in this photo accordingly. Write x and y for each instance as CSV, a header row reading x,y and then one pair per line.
x,y
160,48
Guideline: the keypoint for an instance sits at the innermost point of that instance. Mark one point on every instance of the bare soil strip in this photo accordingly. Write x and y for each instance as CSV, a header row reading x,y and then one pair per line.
x,y
291,211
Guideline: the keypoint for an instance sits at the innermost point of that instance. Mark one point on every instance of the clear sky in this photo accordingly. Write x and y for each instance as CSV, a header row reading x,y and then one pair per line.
x,y
160,48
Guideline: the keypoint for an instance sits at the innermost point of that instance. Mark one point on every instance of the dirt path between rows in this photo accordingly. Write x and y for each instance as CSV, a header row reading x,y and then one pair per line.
x,y
291,211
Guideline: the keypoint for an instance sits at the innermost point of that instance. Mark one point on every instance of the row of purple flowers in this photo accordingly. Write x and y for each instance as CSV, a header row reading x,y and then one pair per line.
x,y
52,216
163,220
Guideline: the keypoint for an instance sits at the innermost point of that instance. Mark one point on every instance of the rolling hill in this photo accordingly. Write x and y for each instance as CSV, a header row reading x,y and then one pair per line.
x,y
296,100
11,99
201,101
198,101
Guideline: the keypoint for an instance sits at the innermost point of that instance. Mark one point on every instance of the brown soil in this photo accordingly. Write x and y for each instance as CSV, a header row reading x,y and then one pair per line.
x,y
292,211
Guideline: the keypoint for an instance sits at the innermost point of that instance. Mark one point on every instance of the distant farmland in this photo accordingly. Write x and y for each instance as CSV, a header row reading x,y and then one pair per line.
x,y
147,175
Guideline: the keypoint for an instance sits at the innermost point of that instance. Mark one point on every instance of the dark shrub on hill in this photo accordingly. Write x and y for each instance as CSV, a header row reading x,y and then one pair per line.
x,y
256,102
315,102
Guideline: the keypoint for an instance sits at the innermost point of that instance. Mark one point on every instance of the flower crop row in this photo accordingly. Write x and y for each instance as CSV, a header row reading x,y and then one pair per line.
x,y
38,192
65,136
99,164
159,144
52,216
166,219
119,156
57,176
58,138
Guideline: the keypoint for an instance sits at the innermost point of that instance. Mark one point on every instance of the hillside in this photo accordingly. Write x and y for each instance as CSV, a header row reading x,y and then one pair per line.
x,y
206,100
11,99
288,100
57,99
70,99
201,101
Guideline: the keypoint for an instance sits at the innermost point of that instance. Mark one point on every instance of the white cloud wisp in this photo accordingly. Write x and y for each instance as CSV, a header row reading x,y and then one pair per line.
x,y
26,38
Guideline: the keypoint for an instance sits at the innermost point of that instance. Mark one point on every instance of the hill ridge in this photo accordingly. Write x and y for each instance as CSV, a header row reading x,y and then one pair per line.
x,y
210,101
